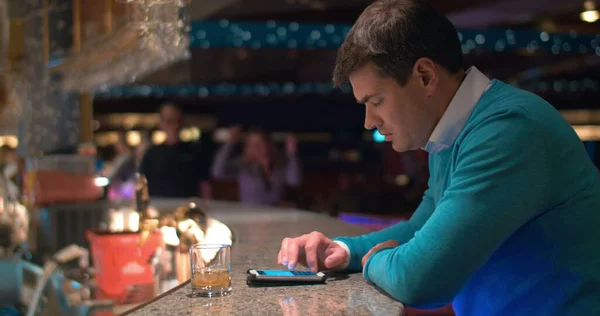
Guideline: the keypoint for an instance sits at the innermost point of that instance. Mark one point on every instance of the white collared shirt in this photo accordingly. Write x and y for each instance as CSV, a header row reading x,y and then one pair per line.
x,y
454,119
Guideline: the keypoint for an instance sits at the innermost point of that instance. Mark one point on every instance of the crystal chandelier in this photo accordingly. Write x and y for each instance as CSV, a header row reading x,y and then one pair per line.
x,y
154,35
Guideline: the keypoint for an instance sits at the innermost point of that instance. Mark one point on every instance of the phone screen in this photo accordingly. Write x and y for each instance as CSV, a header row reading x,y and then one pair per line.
x,y
284,273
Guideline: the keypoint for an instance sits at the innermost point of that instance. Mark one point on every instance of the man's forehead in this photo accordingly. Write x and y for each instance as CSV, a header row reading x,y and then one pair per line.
x,y
364,82
364,90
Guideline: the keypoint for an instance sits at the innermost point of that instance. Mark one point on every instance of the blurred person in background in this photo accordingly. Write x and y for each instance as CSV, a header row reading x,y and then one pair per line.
x,y
176,169
509,223
261,172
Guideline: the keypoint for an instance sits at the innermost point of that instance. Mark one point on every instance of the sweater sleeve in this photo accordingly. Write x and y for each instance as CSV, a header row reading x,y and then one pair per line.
x,y
499,183
224,168
401,232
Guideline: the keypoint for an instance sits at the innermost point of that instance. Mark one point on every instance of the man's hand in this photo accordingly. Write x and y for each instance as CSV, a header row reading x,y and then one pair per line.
x,y
313,250
385,244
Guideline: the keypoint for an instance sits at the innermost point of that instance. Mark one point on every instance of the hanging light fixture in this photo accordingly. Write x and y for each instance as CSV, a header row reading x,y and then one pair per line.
x,y
590,13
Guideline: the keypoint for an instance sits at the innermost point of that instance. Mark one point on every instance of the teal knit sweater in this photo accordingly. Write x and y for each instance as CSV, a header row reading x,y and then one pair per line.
x,y
510,224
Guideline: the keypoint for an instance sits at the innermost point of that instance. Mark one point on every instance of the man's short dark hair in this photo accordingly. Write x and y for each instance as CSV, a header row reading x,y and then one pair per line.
x,y
393,35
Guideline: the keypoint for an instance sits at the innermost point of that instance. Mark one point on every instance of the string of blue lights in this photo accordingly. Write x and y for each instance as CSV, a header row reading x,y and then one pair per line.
x,y
293,35
290,88
225,89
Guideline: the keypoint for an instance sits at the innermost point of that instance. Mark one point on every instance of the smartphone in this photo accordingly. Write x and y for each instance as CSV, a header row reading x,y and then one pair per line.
x,y
283,277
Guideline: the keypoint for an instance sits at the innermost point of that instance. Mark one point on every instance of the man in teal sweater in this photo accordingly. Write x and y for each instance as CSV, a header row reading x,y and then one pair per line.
x,y
510,223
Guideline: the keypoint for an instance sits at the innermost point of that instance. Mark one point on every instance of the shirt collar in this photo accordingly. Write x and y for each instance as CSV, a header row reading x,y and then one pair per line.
x,y
458,111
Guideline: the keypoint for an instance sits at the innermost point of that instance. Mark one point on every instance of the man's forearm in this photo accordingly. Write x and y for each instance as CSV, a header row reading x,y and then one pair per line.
x,y
359,246
401,232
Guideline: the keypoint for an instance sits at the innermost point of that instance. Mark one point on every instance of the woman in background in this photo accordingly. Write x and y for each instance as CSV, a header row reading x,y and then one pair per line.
x,y
261,173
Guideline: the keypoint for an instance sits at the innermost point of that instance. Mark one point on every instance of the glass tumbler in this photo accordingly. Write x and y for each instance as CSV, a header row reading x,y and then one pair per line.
x,y
211,269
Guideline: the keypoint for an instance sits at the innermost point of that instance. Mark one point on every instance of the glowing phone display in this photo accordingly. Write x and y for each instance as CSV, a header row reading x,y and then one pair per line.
x,y
285,273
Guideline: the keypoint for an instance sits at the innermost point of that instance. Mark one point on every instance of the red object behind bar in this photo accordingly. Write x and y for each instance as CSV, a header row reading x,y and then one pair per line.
x,y
51,187
120,263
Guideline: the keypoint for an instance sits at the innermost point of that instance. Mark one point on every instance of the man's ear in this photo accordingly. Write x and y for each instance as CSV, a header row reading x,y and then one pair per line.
x,y
426,72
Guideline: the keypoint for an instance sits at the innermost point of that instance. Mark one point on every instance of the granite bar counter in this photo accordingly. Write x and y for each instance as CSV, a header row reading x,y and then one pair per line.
x,y
258,232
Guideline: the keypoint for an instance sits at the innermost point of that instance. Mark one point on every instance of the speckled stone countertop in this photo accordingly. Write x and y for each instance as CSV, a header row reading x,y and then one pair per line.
x,y
258,233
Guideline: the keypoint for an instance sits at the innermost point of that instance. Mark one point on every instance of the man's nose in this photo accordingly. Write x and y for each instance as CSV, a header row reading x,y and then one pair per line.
x,y
371,120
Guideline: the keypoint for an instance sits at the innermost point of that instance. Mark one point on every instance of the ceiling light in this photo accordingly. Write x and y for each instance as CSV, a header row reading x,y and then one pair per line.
x,y
134,138
590,13
159,137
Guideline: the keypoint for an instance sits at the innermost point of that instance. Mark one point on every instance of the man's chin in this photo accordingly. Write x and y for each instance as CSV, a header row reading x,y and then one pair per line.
x,y
399,147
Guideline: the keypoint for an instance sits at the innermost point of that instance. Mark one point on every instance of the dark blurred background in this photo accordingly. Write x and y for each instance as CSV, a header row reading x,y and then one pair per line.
x,y
268,63
249,66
